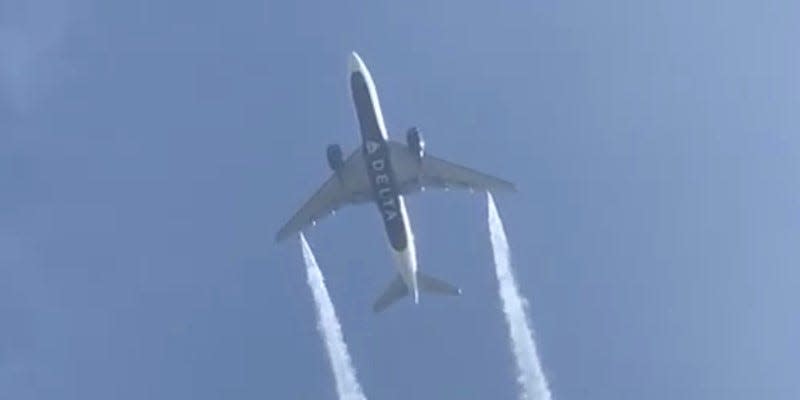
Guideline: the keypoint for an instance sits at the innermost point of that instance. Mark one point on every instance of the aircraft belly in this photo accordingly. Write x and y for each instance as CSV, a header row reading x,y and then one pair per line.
x,y
378,163
384,187
367,108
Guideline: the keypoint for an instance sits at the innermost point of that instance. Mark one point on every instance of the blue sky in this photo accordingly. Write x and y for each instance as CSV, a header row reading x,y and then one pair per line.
x,y
150,150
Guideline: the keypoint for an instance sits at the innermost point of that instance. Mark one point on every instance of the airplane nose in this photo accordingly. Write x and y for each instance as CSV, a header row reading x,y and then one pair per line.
x,y
354,63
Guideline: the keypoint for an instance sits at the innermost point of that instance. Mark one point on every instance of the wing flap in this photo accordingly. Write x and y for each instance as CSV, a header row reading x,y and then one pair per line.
x,y
415,175
349,185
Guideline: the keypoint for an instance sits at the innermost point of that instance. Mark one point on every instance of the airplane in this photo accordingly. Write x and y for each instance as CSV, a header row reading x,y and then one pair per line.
x,y
383,171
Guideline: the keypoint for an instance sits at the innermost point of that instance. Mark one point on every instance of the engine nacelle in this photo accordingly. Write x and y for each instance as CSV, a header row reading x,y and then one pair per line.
x,y
415,143
335,160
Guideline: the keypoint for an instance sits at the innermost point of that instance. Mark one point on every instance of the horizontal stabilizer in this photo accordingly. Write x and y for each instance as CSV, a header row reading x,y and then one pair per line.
x,y
396,290
430,284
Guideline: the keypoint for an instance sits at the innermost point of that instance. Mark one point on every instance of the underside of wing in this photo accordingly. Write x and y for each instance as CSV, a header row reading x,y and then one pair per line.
x,y
348,185
415,174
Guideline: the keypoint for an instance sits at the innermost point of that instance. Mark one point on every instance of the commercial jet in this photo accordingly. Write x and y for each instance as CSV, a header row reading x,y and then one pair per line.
x,y
383,171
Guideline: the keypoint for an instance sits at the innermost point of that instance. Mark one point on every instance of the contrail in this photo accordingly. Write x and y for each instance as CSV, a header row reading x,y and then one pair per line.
x,y
531,379
343,372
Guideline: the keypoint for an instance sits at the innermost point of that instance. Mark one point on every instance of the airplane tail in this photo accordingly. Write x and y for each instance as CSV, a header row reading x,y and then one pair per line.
x,y
397,289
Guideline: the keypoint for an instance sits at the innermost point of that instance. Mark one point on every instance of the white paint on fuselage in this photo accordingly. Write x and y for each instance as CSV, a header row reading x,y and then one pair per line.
x,y
405,261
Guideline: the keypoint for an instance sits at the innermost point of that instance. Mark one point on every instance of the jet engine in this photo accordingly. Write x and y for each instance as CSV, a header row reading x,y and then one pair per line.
x,y
335,160
415,143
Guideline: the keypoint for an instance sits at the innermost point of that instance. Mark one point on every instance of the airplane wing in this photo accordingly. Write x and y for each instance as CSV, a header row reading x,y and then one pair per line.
x,y
414,175
349,185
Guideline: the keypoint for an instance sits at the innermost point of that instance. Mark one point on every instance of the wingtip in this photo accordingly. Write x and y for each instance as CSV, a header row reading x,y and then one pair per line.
x,y
509,188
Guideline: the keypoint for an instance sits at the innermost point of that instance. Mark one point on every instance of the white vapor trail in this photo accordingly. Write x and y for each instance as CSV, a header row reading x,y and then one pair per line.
x,y
343,372
530,376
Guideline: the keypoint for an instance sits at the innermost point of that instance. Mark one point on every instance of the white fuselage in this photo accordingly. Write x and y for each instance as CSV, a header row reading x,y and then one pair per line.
x,y
390,203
